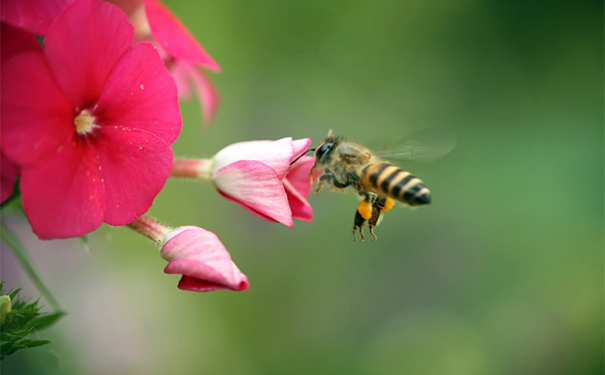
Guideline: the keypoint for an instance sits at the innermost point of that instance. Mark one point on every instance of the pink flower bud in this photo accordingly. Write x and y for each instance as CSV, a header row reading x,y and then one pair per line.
x,y
258,176
201,258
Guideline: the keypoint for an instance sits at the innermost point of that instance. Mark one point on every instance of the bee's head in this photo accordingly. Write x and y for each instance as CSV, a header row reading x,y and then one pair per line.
x,y
325,148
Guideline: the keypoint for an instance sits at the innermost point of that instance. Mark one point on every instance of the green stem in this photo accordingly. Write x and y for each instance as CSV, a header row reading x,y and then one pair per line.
x,y
18,250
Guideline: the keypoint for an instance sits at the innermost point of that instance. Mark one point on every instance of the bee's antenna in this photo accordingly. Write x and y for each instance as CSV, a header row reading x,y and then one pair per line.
x,y
301,155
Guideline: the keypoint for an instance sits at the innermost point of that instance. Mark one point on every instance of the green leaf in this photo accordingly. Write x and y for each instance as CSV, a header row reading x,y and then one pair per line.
x,y
21,319
48,320
34,343
14,293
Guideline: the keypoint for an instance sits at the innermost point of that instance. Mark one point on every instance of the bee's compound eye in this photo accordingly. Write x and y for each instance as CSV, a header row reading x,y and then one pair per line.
x,y
323,149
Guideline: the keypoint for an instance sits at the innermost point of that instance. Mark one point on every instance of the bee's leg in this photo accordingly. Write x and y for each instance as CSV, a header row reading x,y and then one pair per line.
x,y
358,226
371,228
322,179
328,176
339,185
365,207
377,213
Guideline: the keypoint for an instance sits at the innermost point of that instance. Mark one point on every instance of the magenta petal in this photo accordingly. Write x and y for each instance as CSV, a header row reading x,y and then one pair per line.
x,y
181,72
201,258
193,284
186,75
206,93
298,187
299,175
128,6
36,118
9,172
83,45
14,41
64,196
174,37
301,209
135,166
256,185
141,94
33,15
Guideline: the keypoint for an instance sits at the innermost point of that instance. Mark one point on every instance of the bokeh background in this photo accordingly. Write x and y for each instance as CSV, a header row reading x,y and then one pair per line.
x,y
502,274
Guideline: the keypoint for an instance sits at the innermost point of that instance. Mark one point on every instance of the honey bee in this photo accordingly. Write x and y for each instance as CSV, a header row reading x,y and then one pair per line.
x,y
378,183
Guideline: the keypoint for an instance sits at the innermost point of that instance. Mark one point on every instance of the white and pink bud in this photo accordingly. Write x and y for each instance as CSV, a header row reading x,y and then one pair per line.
x,y
196,254
258,176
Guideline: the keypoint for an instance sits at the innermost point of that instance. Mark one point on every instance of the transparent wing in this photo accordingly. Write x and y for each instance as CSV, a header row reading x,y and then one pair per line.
x,y
424,146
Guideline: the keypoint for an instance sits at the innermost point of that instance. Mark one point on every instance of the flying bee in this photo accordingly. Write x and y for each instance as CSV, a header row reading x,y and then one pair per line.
x,y
378,183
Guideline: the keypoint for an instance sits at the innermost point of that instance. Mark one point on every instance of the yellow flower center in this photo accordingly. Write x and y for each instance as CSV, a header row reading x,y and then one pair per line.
x,y
84,122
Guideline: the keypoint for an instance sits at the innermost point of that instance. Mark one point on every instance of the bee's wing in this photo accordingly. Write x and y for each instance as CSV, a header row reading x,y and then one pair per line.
x,y
425,146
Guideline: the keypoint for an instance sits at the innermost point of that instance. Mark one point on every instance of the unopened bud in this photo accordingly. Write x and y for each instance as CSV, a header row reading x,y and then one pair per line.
x,y
5,307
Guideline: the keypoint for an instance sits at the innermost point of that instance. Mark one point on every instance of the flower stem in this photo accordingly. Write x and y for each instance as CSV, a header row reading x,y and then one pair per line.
x,y
22,257
192,168
150,228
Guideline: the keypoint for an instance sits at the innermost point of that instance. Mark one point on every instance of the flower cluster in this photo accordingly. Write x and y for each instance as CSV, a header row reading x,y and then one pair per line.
x,y
89,117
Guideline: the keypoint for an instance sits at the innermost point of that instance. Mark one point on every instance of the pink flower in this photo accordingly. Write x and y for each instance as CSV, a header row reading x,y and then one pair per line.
x,y
201,258
90,120
181,52
12,42
257,175
32,15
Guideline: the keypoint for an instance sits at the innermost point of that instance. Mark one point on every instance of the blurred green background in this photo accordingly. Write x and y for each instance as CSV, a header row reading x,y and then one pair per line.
x,y
501,274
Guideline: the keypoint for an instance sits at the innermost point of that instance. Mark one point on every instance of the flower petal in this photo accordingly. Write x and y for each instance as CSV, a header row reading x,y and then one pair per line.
x,y
298,176
141,94
64,196
186,74
180,71
83,45
174,37
207,96
33,15
128,6
201,258
194,284
36,118
14,41
301,209
255,185
8,173
135,166
298,187
276,154
299,146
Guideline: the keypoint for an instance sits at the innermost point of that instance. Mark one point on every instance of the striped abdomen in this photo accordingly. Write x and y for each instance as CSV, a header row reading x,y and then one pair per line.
x,y
388,180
